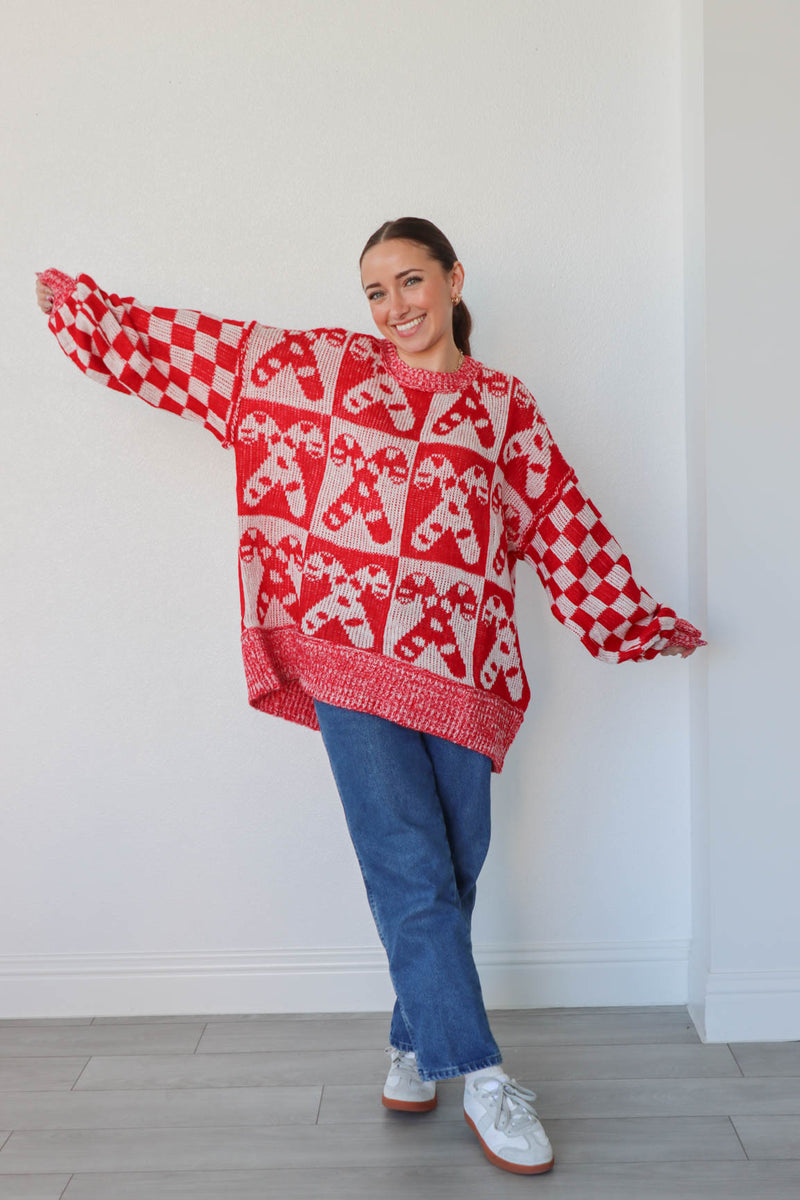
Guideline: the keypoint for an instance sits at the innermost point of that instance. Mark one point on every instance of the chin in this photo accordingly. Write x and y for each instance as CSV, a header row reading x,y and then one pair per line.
x,y
410,345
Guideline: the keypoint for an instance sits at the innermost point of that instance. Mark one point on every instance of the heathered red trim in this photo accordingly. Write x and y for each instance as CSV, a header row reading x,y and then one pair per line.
x,y
287,671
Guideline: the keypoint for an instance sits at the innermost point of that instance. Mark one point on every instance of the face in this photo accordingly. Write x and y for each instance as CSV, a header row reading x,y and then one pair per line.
x,y
411,296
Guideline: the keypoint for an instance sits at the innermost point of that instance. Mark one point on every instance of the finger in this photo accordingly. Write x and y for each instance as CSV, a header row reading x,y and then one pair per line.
x,y
44,296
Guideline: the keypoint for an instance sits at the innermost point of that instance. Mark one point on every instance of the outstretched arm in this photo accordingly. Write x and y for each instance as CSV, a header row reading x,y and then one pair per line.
x,y
176,359
592,588
587,577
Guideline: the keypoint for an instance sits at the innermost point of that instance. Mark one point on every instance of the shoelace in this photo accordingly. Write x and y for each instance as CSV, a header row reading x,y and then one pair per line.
x,y
401,1061
515,1109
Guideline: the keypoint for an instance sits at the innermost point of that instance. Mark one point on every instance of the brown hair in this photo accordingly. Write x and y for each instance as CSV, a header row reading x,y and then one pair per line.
x,y
425,233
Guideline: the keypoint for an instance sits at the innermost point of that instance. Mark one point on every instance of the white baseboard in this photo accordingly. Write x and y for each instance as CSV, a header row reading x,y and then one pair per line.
x,y
749,1006
336,979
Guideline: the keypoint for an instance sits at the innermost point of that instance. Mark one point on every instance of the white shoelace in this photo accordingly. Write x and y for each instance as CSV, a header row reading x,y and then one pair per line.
x,y
515,1110
401,1060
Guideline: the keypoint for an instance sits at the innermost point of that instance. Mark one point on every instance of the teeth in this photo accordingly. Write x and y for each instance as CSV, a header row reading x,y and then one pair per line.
x,y
409,324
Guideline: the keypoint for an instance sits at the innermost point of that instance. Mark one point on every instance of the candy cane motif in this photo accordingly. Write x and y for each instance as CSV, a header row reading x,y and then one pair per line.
x,y
451,512
534,449
362,494
436,626
344,602
535,468
381,387
468,407
294,350
503,655
276,580
510,524
280,468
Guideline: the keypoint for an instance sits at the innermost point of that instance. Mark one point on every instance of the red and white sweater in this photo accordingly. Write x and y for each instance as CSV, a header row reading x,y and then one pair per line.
x,y
382,512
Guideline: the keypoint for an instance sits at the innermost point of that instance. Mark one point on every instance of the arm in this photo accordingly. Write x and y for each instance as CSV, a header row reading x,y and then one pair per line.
x,y
177,359
586,575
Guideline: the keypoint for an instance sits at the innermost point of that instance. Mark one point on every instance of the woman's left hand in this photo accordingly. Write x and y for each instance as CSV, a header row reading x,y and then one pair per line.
x,y
684,651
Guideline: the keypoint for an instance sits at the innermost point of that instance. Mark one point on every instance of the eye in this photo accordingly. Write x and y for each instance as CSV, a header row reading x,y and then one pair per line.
x,y
408,279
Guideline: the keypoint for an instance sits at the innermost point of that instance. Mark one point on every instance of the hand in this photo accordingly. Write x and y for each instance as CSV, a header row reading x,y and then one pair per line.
x,y
684,651
44,297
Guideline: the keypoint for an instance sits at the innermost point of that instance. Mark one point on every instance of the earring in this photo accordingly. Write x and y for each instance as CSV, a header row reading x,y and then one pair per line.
x,y
457,300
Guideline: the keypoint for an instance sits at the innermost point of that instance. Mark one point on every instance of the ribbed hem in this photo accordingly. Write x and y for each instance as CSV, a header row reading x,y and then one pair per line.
x,y
286,671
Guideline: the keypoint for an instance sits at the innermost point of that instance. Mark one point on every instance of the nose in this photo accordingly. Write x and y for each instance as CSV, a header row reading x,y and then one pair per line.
x,y
398,308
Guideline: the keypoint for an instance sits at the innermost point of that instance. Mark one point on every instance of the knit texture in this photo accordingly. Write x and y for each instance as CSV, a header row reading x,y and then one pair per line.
x,y
382,513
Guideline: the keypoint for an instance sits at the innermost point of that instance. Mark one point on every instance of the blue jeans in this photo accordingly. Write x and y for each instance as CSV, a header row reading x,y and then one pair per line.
x,y
418,810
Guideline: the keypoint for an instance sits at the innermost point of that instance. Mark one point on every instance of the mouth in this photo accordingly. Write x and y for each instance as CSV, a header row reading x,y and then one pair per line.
x,y
406,328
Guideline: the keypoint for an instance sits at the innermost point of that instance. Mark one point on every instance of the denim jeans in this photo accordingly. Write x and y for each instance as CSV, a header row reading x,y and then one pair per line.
x,y
418,810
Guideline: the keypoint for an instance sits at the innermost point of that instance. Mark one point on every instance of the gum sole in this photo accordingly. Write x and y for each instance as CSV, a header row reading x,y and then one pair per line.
x,y
517,1168
409,1105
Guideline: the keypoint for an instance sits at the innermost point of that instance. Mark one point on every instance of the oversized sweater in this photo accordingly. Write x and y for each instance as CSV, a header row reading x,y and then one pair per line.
x,y
382,512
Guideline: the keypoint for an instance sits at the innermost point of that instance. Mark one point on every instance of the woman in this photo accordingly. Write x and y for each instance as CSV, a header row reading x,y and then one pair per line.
x,y
387,487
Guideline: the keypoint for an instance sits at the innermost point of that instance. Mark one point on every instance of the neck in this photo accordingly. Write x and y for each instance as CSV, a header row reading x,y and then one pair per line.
x,y
437,358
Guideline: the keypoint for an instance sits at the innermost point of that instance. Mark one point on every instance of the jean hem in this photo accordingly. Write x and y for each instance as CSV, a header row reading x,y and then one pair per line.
x,y
492,1060
405,1046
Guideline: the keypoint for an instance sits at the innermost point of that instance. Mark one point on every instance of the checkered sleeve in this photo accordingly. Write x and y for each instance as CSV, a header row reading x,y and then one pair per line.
x,y
591,585
559,531
176,359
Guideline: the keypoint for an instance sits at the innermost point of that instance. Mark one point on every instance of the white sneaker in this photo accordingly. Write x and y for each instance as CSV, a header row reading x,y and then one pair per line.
x,y
501,1113
404,1089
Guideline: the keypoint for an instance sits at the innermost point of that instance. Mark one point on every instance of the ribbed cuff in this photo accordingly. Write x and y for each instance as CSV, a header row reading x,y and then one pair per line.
x,y
686,635
62,286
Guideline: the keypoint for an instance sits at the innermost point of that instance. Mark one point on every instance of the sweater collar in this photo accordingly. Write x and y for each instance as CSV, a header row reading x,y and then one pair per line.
x,y
428,381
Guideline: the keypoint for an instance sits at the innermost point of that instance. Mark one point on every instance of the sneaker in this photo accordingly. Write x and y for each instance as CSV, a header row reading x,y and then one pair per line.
x,y
404,1089
501,1113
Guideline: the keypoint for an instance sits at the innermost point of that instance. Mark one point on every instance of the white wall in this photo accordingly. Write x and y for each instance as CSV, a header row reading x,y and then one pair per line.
x,y
166,848
746,956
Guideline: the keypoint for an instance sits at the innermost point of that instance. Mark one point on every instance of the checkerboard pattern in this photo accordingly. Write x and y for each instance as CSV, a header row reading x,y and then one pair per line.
x,y
591,585
176,359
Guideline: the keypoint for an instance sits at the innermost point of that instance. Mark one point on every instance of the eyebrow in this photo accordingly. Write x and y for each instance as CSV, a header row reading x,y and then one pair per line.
x,y
399,275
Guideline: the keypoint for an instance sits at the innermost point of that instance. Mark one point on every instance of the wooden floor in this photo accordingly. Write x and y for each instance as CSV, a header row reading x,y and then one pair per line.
x,y
150,1108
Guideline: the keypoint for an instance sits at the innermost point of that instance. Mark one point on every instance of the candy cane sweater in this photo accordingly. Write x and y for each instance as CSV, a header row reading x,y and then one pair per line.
x,y
382,512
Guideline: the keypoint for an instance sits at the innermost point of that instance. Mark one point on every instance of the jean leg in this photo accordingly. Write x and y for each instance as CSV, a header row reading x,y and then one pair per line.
x,y
387,785
463,782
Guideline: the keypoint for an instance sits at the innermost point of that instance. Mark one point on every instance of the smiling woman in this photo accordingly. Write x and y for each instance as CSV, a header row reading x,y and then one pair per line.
x,y
387,488
415,293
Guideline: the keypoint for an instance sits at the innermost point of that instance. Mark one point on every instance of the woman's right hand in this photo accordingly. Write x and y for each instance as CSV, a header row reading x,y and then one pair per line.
x,y
44,297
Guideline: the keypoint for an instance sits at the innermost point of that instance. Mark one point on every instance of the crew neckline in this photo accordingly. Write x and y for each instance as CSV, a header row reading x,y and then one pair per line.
x,y
428,381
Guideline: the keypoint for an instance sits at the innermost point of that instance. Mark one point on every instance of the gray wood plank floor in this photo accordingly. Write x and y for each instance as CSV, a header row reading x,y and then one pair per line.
x,y
251,1106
